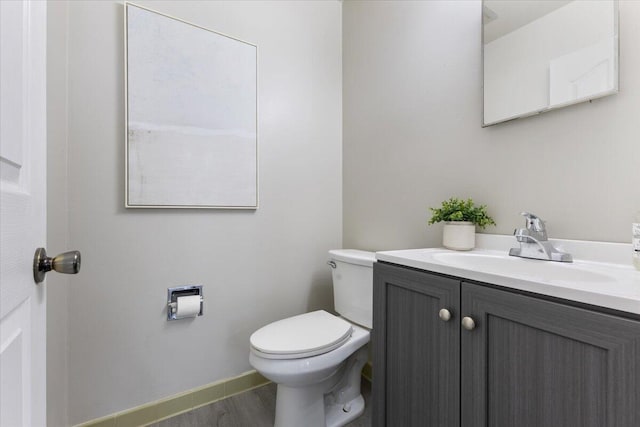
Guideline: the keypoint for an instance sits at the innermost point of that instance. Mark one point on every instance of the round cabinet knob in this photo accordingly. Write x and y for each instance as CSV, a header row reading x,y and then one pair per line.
x,y
468,323
444,314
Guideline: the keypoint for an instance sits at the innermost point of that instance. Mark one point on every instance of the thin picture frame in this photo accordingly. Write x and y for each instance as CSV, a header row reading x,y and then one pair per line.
x,y
191,115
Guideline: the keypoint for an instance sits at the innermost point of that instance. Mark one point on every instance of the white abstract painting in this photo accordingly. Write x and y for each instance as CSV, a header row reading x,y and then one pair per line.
x,y
191,115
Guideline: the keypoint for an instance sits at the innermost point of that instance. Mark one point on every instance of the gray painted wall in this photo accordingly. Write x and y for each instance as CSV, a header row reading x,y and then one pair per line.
x,y
256,267
57,213
412,136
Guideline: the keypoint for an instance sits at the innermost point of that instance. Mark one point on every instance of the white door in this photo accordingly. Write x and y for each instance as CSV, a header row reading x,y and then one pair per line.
x,y
22,212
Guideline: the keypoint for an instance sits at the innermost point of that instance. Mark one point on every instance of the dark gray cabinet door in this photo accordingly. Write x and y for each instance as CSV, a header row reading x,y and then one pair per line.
x,y
535,363
416,355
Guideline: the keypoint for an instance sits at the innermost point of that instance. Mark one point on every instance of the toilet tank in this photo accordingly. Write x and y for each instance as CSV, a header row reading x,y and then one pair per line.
x,y
353,284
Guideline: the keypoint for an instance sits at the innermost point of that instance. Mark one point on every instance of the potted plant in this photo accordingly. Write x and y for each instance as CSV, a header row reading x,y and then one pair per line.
x,y
460,219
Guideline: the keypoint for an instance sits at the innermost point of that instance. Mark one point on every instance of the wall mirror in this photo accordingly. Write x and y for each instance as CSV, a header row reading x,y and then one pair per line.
x,y
542,55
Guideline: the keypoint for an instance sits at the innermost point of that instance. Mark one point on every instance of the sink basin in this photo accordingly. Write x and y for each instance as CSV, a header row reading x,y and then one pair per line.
x,y
536,270
600,275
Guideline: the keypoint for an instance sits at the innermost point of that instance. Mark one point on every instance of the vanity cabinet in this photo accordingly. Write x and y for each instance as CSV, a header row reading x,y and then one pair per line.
x,y
519,360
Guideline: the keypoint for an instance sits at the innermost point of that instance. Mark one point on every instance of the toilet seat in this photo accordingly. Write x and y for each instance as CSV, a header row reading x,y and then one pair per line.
x,y
301,336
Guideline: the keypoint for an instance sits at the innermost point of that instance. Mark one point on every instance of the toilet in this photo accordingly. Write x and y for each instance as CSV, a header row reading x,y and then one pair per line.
x,y
316,358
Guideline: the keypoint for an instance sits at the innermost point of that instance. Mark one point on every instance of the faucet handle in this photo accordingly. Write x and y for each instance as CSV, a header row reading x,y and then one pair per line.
x,y
534,223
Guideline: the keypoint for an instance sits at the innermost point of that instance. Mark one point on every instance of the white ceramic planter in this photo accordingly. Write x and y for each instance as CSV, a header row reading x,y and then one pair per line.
x,y
459,235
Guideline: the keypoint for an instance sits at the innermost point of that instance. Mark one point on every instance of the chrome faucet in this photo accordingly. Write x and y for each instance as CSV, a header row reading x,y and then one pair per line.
x,y
533,242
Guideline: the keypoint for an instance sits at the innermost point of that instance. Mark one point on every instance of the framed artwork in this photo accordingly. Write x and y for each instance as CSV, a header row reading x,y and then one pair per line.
x,y
191,115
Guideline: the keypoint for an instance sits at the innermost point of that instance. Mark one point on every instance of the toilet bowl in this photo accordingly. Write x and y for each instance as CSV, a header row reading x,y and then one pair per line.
x,y
316,358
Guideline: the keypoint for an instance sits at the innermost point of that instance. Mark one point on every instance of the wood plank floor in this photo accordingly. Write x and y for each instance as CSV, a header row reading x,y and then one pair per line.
x,y
253,408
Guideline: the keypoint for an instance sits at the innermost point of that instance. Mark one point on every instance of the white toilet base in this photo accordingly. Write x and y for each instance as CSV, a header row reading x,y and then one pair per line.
x,y
331,403
299,406
337,415
306,407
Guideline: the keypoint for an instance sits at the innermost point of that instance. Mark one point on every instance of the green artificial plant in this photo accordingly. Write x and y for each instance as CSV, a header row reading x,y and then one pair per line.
x,y
456,209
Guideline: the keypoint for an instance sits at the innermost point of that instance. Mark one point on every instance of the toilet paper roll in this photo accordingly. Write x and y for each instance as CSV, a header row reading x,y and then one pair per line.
x,y
188,306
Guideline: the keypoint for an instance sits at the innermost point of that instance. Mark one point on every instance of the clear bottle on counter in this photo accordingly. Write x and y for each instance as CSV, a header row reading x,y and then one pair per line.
x,y
635,242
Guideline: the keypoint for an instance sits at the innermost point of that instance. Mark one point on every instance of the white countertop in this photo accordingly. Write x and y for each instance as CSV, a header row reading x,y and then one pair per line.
x,y
601,274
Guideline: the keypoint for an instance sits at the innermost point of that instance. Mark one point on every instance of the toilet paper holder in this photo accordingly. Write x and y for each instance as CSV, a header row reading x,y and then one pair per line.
x,y
181,291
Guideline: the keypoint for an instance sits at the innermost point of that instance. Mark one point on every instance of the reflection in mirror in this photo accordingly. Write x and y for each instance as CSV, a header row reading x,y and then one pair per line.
x,y
542,55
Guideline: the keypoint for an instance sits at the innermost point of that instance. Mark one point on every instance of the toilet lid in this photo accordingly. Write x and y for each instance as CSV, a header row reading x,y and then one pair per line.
x,y
300,336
